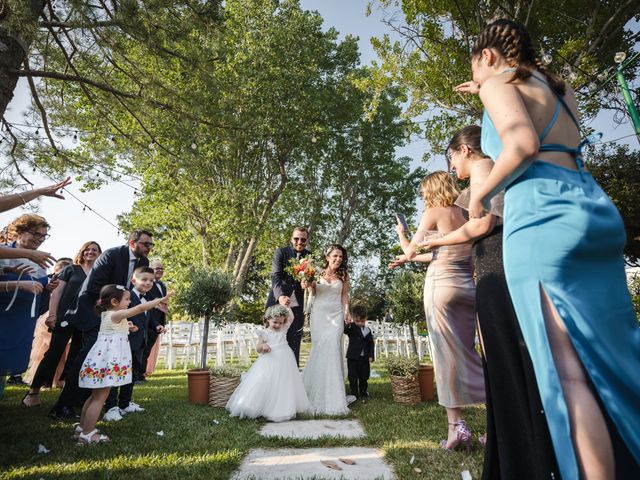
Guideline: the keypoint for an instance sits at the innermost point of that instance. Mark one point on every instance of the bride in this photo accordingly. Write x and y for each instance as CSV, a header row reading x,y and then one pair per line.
x,y
323,375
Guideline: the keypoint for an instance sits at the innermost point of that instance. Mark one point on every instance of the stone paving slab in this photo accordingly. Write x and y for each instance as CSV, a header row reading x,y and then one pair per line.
x,y
304,463
314,429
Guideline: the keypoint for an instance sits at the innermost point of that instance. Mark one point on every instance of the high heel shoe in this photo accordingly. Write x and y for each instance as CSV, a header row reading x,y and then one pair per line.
x,y
463,437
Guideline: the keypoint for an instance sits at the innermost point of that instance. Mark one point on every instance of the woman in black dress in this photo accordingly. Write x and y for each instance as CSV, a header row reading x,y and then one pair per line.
x,y
518,444
63,297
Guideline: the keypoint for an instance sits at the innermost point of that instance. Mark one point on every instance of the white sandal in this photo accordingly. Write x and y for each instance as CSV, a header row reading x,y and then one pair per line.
x,y
86,439
77,431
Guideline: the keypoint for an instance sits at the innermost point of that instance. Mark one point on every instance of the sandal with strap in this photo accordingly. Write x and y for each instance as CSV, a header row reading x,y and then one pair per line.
x,y
77,431
29,394
92,437
463,437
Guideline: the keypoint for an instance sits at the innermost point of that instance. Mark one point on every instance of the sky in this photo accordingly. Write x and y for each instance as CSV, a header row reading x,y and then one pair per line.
x,y
71,226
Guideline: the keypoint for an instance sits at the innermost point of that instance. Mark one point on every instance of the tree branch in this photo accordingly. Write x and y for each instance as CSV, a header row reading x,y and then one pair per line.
x,y
30,74
78,25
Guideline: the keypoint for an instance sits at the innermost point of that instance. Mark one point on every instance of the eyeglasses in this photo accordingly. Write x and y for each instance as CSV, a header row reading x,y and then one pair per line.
x,y
146,244
447,156
39,236
299,240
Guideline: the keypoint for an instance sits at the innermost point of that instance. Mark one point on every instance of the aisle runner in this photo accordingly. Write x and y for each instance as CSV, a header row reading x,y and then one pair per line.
x,y
306,463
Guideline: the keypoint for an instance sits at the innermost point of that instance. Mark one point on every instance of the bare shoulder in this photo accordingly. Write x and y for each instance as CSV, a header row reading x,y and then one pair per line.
x,y
497,86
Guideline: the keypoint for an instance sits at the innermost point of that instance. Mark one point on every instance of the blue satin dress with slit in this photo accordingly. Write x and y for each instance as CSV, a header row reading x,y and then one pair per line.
x,y
564,236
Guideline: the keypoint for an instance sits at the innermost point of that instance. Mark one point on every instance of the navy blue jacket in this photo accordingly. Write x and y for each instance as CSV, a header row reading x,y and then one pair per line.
x,y
281,282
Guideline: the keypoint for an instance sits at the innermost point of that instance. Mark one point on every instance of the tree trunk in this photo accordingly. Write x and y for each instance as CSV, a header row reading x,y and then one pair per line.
x,y
413,340
205,342
239,257
241,276
13,52
231,256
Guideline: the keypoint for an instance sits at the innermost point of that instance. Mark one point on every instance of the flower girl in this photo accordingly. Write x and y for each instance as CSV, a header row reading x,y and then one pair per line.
x,y
108,363
272,388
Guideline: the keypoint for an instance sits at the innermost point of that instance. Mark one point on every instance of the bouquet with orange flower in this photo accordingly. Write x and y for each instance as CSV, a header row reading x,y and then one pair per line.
x,y
303,269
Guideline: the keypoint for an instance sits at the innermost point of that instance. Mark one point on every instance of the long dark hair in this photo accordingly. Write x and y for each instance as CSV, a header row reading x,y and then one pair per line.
x,y
469,136
512,40
343,270
108,293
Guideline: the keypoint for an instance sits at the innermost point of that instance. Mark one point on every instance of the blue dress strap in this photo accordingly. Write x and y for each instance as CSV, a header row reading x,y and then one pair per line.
x,y
546,131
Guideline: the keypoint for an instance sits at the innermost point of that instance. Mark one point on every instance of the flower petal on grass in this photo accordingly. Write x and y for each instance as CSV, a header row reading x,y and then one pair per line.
x,y
465,475
42,449
160,433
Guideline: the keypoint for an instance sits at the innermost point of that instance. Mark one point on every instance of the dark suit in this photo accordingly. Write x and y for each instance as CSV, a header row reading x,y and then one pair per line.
x,y
360,350
156,318
284,284
112,267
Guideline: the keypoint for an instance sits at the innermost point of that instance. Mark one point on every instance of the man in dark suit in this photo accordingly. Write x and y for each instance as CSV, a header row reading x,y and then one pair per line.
x,y
114,266
157,316
360,352
287,291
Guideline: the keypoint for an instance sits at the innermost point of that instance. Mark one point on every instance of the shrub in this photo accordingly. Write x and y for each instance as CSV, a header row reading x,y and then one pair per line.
x,y
401,366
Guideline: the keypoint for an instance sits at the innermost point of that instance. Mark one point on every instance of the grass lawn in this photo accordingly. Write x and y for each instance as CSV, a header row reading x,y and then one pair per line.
x,y
194,446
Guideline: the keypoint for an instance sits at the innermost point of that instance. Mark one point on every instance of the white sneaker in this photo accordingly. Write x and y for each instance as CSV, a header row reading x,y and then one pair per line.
x,y
133,407
112,415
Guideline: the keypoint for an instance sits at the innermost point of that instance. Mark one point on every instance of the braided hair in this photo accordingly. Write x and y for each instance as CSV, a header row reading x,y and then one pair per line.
x,y
513,42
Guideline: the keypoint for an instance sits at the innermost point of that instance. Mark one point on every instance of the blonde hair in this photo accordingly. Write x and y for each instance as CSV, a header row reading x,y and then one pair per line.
x,y
439,189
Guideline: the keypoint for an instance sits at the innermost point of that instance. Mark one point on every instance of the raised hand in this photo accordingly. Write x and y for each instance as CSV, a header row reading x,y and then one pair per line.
x,y
43,259
468,87
52,190
398,262
400,229
21,268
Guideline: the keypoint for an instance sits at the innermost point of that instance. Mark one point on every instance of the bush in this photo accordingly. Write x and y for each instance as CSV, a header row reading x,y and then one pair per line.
x,y
225,371
401,366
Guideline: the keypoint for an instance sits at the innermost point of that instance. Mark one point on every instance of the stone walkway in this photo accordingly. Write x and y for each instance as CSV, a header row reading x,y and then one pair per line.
x,y
307,463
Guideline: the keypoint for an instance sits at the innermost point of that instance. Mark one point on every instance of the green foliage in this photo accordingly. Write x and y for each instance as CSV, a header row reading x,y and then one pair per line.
x,y
405,297
401,366
634,290
617,170
367,289
225,371
207,294
431,55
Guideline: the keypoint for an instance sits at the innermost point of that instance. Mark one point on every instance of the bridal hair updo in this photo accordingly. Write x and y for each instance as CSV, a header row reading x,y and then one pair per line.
x,y
512,41
343,269
439,189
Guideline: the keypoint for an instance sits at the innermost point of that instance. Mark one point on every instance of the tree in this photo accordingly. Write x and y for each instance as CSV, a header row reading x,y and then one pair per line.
x,y
578,37
617,170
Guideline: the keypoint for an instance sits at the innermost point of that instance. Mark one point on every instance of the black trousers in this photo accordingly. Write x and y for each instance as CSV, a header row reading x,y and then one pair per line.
x,y
294,334
152,337
72,394
358,372
120,400
58,343
138,368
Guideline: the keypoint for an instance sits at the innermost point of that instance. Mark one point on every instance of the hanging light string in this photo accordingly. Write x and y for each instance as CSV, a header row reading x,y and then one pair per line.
x,y
85,206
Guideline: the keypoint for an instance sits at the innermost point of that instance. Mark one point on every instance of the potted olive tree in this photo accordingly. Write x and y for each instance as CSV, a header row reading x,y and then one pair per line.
x,y
405,388
206,295
405,298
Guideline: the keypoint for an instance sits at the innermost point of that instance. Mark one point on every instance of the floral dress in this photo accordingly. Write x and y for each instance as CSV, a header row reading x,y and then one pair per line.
x,y
108,363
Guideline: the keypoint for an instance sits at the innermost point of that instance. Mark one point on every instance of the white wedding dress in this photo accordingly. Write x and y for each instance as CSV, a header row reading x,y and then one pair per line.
x,y
323,375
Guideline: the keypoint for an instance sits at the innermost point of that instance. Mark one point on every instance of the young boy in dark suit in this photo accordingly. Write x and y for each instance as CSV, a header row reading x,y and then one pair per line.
x,y
360,352
120,403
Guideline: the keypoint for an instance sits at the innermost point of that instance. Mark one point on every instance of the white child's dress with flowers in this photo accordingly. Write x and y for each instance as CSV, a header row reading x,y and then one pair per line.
x,y
108,363
272,388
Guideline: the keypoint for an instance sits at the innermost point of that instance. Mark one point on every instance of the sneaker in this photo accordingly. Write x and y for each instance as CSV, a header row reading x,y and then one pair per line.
x,y
112,415
133,407
351,399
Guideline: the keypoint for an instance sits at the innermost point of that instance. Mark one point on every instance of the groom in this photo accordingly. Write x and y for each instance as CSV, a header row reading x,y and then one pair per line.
x,y
284,287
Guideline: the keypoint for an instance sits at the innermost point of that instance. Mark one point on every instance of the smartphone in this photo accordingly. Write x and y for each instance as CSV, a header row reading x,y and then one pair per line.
x,y
403,221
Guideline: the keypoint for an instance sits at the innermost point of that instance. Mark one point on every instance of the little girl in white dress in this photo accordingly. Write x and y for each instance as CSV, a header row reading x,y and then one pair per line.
x,y
272,388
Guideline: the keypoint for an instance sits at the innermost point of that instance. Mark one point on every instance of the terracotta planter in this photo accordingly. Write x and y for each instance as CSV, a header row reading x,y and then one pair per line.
x,y
405,390
425,378
198,386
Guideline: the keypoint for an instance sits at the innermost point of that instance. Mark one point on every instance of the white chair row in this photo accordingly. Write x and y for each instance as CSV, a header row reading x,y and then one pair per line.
x,y
396,339
182,340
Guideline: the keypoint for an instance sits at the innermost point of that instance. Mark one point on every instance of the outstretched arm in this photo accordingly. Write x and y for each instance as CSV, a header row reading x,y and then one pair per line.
x,y
7,202
120,315
517,133
428,221
472,230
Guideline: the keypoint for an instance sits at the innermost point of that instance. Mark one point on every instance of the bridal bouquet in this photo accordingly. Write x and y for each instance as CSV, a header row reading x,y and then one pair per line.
x,y
303,269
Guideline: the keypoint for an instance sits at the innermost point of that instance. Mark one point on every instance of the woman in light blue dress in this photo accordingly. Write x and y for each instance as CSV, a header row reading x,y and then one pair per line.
x,y
563,244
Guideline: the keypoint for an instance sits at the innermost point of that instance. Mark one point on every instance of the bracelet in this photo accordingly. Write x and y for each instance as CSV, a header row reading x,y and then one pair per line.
x,y
21,198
